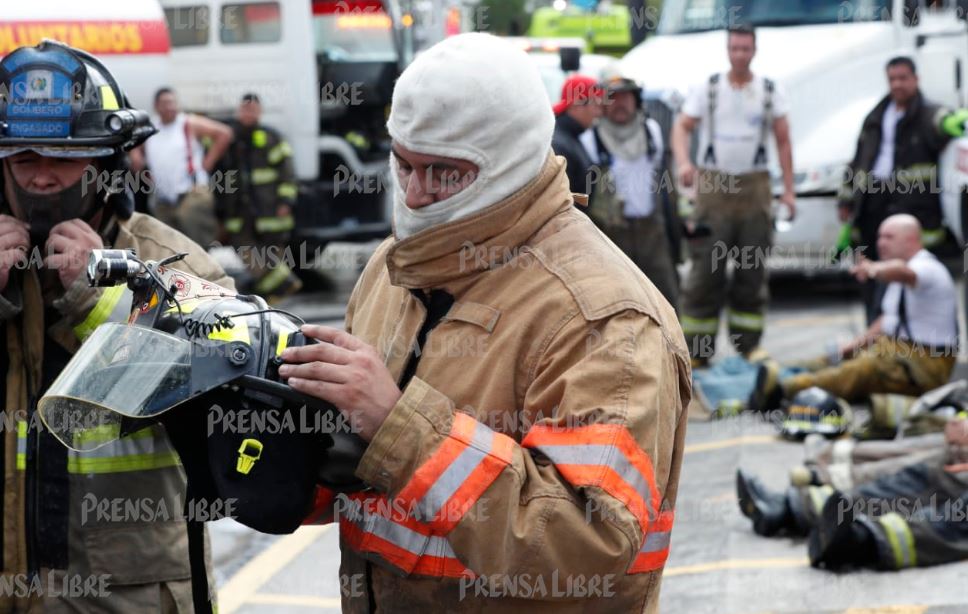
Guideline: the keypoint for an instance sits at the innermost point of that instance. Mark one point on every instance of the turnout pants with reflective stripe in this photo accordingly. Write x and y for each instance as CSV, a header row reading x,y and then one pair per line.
x,y
644,241
846,463
889,365
736,209
917,515
264,256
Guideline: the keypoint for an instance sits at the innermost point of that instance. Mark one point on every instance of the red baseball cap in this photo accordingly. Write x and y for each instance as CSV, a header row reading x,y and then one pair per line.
x,y
577,88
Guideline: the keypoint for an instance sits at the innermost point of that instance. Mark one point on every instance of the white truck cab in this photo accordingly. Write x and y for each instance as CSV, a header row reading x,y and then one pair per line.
x,y
324,71
830,59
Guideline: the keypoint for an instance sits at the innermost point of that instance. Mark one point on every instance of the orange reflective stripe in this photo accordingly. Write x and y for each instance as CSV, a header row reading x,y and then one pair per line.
x,y
322,507
655,546
604,456
448,484
402,541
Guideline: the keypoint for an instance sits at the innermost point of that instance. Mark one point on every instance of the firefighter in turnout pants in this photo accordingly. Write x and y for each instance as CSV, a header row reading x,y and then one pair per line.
x,y
258,214
57,130
735,112
537,471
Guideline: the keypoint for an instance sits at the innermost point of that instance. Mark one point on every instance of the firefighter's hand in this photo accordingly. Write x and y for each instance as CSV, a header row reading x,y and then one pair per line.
x,y
687,174
789,200
68,247
864,269
346,372
14,245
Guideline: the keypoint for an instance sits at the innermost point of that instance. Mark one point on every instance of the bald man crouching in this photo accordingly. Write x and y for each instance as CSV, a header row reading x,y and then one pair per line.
x,y
910,349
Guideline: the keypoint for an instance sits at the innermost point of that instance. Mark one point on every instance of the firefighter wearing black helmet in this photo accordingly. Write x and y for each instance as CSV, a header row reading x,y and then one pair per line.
x,y
65,125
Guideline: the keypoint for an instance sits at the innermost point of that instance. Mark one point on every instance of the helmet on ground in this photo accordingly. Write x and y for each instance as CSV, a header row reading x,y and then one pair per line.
x,y
814,410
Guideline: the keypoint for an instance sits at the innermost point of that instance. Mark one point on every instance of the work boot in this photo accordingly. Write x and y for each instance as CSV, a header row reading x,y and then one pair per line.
x,y
767,393
769,511
841,537
803,475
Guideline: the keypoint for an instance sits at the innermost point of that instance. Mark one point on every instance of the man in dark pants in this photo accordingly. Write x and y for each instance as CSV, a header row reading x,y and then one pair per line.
x,y
575,113
895,168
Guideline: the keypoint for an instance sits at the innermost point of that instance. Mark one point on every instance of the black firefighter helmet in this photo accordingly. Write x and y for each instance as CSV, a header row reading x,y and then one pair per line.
x,y
203,361
58,101
814,410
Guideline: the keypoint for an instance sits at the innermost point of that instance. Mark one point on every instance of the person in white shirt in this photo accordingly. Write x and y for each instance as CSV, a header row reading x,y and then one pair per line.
x,y
626,146
910,349
735,112
180,167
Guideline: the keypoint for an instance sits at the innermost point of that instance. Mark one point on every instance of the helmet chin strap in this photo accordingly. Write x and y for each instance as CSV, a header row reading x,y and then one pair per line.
x,y
44,211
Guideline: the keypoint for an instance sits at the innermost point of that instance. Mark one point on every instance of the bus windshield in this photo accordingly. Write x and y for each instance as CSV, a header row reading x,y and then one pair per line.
x,y
684,16
353,32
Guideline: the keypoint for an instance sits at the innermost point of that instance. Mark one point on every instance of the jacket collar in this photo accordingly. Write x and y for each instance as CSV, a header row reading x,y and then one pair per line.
x,y
481,241
913,109
569,124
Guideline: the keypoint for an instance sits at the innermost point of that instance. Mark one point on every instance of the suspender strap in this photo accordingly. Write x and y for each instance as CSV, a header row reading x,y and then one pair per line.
x,y
709,159
768,87
604,157
196,559
902,320
191,158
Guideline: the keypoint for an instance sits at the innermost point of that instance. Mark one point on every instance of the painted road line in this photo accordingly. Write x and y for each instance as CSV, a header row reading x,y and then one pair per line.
x,y
268,563
890,609
728,443
727,564
302,601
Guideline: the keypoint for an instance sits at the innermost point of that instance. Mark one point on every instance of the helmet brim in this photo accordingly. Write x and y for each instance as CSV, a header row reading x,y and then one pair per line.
x,y
58,152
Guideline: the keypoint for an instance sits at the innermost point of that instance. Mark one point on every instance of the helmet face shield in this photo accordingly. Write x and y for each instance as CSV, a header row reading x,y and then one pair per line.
x,y
120,371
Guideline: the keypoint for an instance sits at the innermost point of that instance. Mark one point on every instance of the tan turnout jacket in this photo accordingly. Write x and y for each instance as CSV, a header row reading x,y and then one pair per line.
x,y
532,461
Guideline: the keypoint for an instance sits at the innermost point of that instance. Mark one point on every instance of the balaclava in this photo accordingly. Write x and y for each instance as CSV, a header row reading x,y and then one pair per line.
x,y
474,97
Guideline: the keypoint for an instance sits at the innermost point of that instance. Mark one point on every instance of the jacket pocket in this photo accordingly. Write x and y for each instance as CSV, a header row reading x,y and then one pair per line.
x,y
141,554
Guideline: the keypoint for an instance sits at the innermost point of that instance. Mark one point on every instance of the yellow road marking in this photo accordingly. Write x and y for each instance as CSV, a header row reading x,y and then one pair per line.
x,y
736,564
728,443
306,601
244,584
889,609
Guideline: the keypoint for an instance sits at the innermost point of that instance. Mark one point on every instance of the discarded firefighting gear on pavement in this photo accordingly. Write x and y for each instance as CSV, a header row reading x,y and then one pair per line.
x,y
915,517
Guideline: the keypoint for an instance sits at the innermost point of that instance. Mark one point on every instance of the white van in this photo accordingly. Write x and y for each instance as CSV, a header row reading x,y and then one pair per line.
x,y
130,37
830,58
324,71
